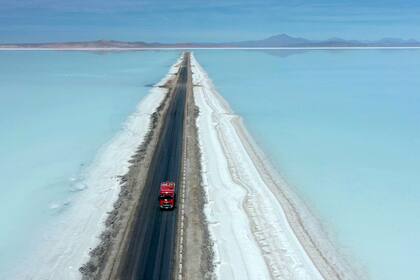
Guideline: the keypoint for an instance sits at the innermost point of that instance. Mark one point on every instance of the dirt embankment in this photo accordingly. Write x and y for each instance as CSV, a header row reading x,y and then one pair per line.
x,y
104,259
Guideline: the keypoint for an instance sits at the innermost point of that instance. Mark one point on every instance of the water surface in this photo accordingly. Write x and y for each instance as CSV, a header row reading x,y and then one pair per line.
x,y
343,128
56,111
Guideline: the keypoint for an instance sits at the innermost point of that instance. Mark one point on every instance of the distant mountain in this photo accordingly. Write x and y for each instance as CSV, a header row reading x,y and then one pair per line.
x,y
276,41
283,40
396,41
89,44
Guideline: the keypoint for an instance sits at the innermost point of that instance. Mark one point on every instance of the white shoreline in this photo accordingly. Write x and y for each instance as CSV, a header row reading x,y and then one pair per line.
x,y
65,248
249,205
209,48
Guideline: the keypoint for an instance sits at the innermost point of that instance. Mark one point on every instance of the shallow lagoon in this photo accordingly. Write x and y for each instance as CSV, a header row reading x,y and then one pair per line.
x,y
343,128
57,109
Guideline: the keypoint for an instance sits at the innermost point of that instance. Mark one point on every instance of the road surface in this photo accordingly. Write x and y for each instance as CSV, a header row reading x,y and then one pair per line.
x,y
151,249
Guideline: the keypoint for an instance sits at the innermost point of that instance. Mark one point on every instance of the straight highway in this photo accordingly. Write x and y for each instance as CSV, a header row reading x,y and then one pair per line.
x,y
151,249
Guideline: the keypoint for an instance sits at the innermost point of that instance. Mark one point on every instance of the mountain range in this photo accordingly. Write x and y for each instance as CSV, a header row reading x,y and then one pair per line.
x,y
276,41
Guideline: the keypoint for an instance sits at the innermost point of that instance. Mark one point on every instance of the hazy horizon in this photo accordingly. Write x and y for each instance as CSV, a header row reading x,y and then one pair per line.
x,y
277,37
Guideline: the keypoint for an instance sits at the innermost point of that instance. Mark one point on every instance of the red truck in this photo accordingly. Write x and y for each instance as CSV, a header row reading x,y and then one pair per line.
x,y
167,195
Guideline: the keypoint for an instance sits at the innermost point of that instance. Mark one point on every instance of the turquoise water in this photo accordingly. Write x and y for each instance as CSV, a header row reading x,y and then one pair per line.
x,y
56,110
343,128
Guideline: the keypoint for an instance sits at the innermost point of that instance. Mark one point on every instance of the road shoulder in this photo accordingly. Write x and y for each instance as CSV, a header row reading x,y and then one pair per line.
x,y
195,255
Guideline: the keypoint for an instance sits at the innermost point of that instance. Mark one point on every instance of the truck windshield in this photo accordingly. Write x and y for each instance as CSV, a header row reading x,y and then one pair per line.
x,y
165,197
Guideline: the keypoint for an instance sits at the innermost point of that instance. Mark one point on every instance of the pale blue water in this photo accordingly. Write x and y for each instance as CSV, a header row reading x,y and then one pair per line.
x,y
343,127
56,110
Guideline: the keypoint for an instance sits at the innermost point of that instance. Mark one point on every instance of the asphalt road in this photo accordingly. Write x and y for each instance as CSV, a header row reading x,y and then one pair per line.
x,y
151,250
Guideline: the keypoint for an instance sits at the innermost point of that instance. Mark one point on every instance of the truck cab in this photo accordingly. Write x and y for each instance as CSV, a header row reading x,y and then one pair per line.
x,y
167,196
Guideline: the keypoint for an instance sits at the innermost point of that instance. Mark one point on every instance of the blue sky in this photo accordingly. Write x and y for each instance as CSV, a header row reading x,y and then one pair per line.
x,y
211,20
